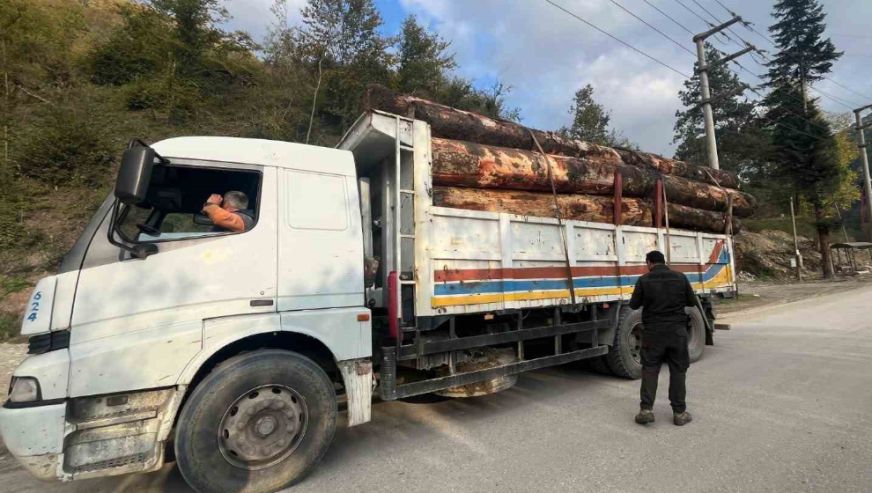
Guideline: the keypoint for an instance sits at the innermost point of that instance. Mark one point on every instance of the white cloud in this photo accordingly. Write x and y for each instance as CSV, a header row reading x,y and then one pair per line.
x,y
255,16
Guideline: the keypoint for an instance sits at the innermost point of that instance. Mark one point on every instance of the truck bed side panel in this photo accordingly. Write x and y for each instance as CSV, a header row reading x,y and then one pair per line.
x,y
482,261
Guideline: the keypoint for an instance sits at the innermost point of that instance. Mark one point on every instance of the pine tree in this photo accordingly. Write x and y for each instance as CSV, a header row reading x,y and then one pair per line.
x,y
423,60
805,151
738,136
590,121
194,21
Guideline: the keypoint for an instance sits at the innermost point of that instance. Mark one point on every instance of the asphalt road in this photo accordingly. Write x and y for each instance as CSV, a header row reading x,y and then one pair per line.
x,y
783,402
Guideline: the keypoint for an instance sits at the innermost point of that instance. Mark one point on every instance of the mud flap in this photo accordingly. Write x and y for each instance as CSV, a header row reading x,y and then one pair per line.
x,y
357,377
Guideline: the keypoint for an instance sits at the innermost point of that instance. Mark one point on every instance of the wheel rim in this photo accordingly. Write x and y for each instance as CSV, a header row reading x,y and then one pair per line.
x,y
263,426
634,339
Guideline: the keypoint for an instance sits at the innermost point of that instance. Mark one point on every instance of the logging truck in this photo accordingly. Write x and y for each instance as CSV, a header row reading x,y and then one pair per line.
x,y
234,350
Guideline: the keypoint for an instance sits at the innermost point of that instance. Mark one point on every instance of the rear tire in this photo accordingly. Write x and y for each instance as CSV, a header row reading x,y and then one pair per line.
x,y
695,334
257,423
624,357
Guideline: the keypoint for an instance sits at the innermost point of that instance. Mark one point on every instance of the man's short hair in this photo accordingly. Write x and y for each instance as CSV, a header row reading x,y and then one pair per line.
x,y
236,199
655,257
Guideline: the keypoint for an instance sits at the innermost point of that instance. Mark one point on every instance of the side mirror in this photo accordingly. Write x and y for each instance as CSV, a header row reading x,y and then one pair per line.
x,y
134,175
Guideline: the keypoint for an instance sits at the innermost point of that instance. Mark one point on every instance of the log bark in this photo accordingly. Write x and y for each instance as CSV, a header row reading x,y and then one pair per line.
x,y
578,207
681,216
466,164
451,123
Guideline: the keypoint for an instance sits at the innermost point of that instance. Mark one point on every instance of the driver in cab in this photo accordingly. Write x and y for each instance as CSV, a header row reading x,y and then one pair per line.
x,y
229,213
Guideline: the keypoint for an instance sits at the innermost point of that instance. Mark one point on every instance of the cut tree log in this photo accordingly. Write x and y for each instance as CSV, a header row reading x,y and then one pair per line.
x,y
451,123
467,164
578,207
593,208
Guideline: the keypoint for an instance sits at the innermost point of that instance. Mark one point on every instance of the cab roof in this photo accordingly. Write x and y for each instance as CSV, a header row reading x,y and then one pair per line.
x,y
259,152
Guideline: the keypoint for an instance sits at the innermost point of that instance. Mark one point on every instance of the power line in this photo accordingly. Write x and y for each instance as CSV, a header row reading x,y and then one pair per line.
x,y
844,102
694,12
668,17
643,21
746,43
664,64
849,89
619,40
750,27
703,19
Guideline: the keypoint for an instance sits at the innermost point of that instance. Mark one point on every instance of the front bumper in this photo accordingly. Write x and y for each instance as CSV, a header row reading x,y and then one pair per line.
x,y
35,436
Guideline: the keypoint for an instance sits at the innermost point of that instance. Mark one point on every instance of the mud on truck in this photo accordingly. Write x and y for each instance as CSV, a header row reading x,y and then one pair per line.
x,y
234,350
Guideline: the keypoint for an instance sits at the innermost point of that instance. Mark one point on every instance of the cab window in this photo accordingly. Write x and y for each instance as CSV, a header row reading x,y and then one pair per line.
x,y
174,202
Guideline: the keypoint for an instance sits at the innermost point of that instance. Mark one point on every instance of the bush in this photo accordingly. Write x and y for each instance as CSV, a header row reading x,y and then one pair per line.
x,y
66,145
10,326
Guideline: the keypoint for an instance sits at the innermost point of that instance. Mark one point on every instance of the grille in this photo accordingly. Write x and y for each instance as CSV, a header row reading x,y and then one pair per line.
x,y
44,343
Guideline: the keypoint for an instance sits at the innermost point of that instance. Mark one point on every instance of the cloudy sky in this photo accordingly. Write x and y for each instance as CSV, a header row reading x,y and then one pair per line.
x,y
544,54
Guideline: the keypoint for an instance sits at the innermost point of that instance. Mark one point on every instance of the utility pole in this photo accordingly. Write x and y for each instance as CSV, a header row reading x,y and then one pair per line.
x,y
867,186
699,39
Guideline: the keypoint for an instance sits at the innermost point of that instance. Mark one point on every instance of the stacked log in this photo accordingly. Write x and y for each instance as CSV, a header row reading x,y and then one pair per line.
x,y
481,163
452,123
467,164
579,207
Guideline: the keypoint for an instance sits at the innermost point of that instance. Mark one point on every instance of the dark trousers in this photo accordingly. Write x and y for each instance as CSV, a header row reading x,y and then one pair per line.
x,y
667,345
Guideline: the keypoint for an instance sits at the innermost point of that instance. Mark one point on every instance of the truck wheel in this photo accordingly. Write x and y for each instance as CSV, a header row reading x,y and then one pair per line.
x,y
257,423
695,334
625,356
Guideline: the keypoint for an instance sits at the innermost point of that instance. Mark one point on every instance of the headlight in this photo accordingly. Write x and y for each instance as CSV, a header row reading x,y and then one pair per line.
x,y
24,389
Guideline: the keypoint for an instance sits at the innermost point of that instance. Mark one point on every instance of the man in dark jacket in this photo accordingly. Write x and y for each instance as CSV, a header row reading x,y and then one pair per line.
x,y
663,294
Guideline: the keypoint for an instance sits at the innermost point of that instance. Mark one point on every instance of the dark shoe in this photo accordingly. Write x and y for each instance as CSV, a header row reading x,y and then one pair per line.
x,y
681,419
645,416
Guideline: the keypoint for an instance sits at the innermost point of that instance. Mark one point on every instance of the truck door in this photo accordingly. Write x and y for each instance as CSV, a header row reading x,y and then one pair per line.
x,y
137,323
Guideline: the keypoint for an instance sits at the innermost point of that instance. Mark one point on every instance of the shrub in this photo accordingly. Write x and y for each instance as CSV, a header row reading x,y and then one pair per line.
x,y
66,144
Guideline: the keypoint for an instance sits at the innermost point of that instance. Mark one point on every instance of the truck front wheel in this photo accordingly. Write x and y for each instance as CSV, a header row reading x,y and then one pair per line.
x,y
257,423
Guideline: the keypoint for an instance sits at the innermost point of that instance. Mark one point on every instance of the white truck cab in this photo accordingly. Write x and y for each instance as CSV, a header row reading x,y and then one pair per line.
x,y
119,334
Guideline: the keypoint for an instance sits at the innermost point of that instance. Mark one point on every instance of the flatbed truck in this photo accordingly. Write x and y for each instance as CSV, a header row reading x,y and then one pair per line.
x,y
234,350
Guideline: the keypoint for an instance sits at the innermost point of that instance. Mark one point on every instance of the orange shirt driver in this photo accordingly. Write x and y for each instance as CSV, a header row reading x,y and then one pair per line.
x,y
228,213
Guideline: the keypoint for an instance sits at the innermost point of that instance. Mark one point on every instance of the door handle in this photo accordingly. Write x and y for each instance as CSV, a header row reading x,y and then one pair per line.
x,y
260,302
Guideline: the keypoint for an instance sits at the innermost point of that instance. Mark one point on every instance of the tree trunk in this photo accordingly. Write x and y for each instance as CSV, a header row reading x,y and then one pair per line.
x,y
466,164
452,123
579,207
823,231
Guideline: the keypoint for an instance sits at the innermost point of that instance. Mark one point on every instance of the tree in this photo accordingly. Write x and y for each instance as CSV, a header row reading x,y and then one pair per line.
x,y
804,149
423,60
590,121
740,139
194,29
340,41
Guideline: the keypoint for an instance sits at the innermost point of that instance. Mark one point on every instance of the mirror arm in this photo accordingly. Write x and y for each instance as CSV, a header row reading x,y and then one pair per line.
x,y
139,250
142,143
